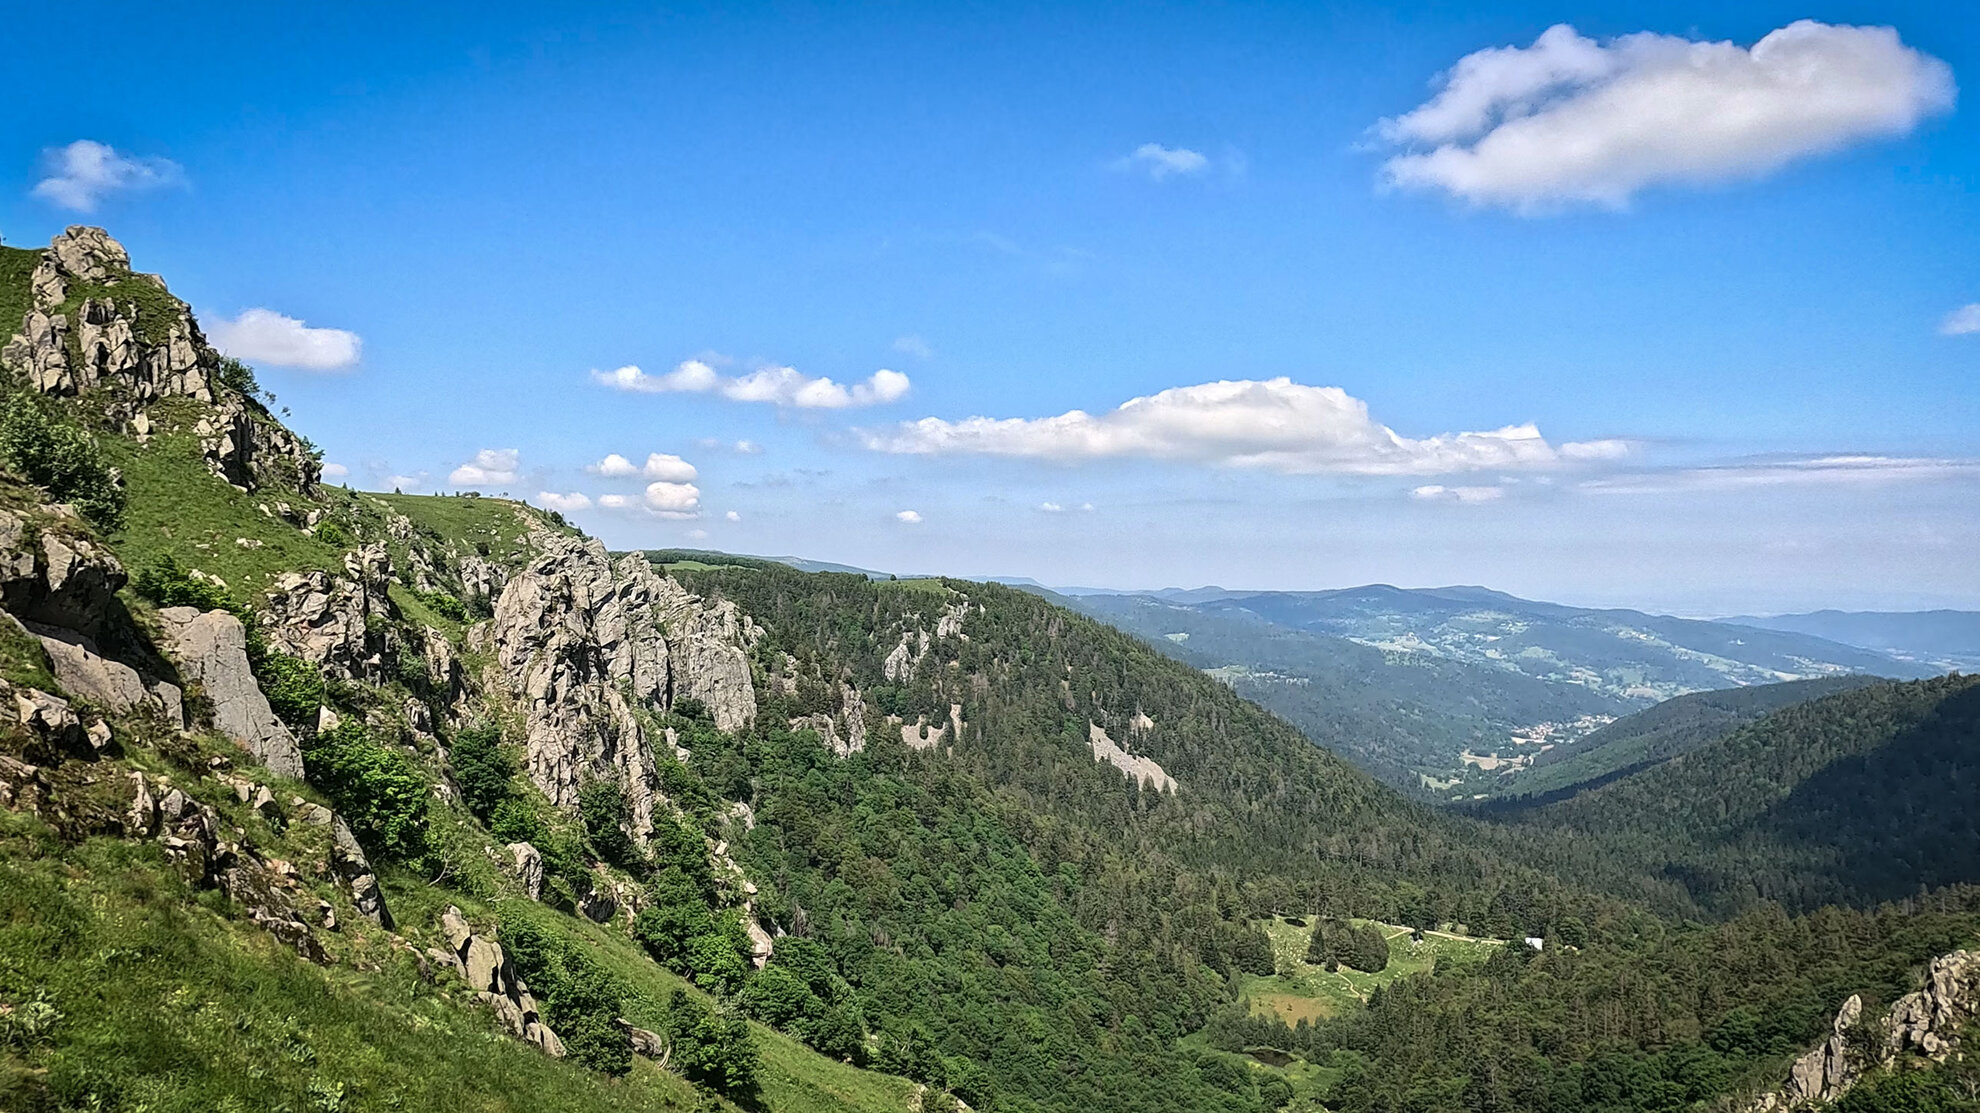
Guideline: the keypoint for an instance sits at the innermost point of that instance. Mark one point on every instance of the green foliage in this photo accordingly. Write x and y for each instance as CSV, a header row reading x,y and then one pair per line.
x,y
60,457
581,1000
483,770
167,583
602,806
1338,943
444,605
238,377
712,1047
376,788
294,687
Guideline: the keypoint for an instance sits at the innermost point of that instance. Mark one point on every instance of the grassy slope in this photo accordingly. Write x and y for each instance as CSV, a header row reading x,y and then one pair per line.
x,y
16,298
1302,990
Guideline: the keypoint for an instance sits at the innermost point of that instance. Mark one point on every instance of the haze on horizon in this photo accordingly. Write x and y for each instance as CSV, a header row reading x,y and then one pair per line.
x,y
1264,296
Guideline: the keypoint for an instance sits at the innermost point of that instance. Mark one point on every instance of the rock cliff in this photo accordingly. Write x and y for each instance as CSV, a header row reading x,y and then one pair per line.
x,y
1921,1026
98,329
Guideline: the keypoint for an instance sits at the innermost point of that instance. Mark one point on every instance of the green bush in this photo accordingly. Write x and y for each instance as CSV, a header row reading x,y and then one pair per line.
x,y
674,917
716,962
444,605
61,458
711,1048
581,1000
482,769
167,583
602,807
294,687
238,377
377,789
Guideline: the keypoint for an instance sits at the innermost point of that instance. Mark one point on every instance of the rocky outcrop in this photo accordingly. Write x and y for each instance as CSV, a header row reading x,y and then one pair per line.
x,y
1925,1024
480,961
582,642
54,577
326,619
211,648
529,868
111,685
95,323
1138,767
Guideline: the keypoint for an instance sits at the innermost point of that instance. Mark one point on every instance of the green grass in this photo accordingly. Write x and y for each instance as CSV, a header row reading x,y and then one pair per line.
x,y
22,660
164,1004
16,291
500,524
179,508
794,1077
1305,991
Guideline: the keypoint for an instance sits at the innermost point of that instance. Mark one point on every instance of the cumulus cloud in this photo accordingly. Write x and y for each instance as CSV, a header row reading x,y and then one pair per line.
x,y
673,500
1275,424
616,502
733,516
84,172
491,467
564,504
659,465
414,482
1160,162
911,517
780,386
265,336
1437,492
1570,120
1050,507
1964,321
336,471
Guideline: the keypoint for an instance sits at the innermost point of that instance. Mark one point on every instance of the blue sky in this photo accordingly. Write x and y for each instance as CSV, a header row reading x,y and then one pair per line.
x,y
1727,324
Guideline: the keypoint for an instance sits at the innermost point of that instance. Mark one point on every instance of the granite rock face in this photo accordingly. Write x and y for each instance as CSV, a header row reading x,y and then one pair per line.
x,y
481,962
582,642
55,578
211,648
1924,1024
96,323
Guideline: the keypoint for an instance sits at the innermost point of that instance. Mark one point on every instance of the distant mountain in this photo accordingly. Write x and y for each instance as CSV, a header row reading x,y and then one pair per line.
x,y
1946,639
1855,798
1639,741
1625,654
1409,718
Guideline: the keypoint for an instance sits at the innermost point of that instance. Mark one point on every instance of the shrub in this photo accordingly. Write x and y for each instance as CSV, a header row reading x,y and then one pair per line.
x,y
165,582
674,918
483,770
581,1000
238,377
377,789
602,807
711,1048
444,605
294,687
716,962
62,459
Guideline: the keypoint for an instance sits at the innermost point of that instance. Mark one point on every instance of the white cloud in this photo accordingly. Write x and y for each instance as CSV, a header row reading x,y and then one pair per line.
x,y
1275,424
1570,120
491,467
1437,492
265,336
551,500
1050,507
1830,470
913,345
698,534
781,386
613,466
616,502
406,482
733,516
1964,321
673,500
84,172
662,465
659,465
1160,162
336,471
911,517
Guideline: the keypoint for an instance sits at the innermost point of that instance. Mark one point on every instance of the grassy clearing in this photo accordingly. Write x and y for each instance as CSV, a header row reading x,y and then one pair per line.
x,y
16,289
497,529
1303,991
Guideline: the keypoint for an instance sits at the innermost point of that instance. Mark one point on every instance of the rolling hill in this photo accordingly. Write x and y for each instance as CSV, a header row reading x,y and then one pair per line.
x,y
1941,639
